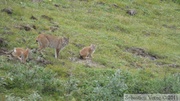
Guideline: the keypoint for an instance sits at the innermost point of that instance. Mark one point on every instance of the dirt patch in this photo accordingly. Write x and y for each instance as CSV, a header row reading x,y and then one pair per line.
x,y
170,26
3,42
42,61
4,51
173,65
25,27
115,5
47,17
36,1
56,5
88,62
54,28
78,45
33,18
131,12
7,10
141,52
100,3
38,58
9,33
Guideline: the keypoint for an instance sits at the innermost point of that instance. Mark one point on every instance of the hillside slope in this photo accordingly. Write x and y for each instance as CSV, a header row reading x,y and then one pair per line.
x,y
144,46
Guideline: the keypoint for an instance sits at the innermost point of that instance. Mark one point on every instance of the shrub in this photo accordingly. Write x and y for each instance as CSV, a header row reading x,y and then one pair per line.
x,y
176,1
32,97
143,83
171,84
22,78
112,91
2,84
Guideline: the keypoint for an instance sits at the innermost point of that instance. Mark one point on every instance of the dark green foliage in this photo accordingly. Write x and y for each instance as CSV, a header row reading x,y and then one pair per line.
x,y
112,90
176,1
142,83
106,86
153,31
38,78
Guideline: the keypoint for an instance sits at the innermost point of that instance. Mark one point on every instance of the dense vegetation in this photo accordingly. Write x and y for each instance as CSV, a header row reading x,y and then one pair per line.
x,y
136,53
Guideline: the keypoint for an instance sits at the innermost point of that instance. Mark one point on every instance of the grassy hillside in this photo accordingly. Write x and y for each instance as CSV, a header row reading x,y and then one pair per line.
x,y
140,53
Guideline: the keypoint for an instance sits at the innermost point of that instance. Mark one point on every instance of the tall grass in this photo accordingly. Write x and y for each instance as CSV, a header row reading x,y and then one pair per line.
x,y
154,28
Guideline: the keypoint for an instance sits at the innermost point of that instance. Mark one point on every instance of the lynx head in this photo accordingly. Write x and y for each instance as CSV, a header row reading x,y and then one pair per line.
x,y
65,41
93,47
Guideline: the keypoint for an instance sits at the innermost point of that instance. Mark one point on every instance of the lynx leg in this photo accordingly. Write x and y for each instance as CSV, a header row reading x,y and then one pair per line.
x,y
87,57
23,59
91,56
20,59
40,50
43,43
57,53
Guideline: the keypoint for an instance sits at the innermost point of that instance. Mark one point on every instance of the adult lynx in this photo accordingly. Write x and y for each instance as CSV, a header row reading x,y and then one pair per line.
x,y
21,54
87,52
46,40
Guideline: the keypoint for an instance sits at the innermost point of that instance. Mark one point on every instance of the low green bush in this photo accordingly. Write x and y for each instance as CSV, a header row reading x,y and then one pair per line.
x,y
27,83
108,88
144,83
23,78
32,97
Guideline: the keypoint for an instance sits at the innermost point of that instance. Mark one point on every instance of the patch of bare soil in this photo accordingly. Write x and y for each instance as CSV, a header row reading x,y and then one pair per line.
x,y
33,18
25,27
78,45
36,1
131,12
169,26
173,65
3,42
3,51
39,59
42,61
7,10
47,17
141,52
54,28
87,62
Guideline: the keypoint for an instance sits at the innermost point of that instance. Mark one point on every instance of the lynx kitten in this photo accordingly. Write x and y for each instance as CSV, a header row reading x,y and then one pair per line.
x,y
21,54
87,52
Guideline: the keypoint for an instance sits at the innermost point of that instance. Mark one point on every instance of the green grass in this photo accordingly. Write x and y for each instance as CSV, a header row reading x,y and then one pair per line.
x,y
155,28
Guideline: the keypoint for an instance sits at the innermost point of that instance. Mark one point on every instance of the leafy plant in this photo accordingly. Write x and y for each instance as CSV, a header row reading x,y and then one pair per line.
x,y
113,90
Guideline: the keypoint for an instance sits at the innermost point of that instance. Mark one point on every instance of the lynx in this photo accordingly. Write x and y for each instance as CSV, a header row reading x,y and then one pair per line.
x,y
21,54
45,40
87,52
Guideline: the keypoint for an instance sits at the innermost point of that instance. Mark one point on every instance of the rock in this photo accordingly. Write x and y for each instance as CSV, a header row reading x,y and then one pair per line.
x,y
131,12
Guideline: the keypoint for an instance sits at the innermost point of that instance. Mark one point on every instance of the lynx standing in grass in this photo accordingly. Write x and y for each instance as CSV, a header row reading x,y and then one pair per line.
x,y
45,40
21,54
87,52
